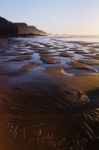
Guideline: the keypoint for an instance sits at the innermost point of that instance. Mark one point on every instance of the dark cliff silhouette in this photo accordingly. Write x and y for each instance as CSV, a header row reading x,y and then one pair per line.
x,y
8,28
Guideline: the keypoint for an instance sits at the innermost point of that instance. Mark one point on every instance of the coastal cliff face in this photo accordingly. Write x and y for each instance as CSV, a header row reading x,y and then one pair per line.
x,y
24,29
8,28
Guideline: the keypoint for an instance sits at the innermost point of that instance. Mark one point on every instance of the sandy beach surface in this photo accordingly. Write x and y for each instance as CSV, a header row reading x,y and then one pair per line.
x,y
49,93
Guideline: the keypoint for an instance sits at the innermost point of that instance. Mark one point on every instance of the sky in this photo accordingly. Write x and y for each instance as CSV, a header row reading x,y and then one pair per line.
x,y
80,17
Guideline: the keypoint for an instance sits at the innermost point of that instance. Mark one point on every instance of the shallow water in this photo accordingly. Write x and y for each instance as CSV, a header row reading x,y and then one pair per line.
x,y
49,100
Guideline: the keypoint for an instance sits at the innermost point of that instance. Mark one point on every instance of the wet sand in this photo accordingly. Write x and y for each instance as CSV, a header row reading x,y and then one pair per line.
x,y
49,94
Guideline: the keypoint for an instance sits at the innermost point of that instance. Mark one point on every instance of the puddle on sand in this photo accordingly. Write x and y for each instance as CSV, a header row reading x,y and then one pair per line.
x,y
47,105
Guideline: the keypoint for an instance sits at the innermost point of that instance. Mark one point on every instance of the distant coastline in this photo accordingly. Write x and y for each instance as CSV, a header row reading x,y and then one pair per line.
x,y
75,36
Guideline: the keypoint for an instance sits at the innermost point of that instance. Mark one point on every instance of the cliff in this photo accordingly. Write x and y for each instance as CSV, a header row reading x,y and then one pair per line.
x,y
8,28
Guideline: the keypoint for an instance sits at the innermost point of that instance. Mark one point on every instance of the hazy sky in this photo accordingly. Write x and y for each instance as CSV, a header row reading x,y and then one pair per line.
x,y
55,16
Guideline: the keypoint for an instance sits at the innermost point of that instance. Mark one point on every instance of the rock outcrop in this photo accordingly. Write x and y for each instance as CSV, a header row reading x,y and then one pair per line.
x,y
8,28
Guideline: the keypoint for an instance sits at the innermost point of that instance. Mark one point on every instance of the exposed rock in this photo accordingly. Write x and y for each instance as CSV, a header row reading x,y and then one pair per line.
x,y
24,29
81,52
22,57
80,65
8,28
65,54
48,59
90,61
97,56
43,51
54,70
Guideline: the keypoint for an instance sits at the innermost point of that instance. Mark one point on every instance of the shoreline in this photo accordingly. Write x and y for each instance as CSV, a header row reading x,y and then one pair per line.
x,y
49,93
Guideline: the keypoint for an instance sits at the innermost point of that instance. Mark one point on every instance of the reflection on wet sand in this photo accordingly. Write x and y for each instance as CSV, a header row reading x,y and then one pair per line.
x,y
43,106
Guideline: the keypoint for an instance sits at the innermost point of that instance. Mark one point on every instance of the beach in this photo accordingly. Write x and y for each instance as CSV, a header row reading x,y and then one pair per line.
x,y
49,93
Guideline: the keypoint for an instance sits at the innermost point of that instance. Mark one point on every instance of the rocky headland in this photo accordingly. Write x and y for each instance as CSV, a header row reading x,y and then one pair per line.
x,y
8,28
